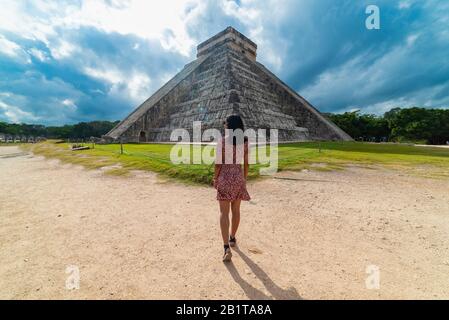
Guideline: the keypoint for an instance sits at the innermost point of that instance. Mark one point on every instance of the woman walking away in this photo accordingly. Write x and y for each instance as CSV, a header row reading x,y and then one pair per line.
x,y
230,179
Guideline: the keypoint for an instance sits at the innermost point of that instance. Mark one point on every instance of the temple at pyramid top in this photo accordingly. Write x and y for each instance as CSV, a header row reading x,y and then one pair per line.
x,y
233,38
225,79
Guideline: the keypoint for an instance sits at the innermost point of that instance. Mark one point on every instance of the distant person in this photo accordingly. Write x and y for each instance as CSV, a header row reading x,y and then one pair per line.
x,y
230,180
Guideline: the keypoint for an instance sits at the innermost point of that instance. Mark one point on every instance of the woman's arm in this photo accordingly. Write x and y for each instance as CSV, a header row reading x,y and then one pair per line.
x,y
218,160
217,171
245,160
216,174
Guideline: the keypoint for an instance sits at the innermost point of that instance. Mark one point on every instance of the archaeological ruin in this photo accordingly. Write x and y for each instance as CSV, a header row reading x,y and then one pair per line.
x,y
225,79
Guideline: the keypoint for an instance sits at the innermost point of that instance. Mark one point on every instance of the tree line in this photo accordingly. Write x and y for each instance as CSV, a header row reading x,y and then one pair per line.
x,y
79,131
420,125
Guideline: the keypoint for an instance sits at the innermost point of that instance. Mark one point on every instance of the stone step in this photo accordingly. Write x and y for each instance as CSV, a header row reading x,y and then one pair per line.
x,y
249,92
254,81
243,68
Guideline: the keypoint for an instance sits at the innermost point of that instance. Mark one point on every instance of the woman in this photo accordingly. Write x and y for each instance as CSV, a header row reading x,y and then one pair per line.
x,y
230,179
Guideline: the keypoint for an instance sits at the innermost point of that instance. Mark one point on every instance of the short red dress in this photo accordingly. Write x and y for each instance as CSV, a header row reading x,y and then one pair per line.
x,y
231,184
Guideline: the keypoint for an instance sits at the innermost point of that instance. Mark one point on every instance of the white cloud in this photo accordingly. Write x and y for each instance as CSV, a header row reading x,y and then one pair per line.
x,y
164,21
405,4
16,18
139,86
411,39
40,55
145,19
245,12
135,85
62,50
108,74
419,98
8,47
259,23
5,94
70,104
13,50
15,114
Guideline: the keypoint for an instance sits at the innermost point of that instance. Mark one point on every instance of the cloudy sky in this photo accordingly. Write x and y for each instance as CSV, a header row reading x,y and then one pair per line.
x,y
81,60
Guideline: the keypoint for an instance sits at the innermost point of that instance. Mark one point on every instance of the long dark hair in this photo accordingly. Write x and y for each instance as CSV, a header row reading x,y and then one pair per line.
x,y
234,122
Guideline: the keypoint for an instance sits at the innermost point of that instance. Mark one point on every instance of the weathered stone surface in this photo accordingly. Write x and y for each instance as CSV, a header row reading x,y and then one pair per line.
x,y
225,79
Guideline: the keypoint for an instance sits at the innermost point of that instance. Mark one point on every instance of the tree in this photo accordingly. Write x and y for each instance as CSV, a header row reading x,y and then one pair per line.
x,y
365,127
419,124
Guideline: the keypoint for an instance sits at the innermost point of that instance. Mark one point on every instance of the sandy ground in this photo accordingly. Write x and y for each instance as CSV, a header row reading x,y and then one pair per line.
x,y
310,236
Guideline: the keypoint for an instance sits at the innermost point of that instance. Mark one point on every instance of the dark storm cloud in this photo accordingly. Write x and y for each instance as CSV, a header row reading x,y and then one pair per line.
x,y
328,55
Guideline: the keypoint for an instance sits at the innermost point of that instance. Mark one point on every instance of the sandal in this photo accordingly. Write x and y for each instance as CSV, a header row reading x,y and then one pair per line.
x,y
232,241
227,255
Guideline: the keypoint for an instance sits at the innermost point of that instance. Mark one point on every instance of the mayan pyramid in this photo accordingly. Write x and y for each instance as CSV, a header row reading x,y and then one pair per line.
x,y
225,79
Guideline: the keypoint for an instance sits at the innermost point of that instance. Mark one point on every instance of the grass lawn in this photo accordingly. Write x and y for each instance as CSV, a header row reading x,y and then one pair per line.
x,y
424,161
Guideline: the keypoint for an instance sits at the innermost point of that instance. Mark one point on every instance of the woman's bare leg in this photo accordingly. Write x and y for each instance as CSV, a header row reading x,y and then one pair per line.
x,y
235,221
224,220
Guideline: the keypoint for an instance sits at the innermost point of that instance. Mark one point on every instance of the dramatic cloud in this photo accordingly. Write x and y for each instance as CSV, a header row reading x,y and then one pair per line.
x,y
69,61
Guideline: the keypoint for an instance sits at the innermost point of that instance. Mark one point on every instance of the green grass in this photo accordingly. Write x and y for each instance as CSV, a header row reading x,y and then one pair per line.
x,y
423,161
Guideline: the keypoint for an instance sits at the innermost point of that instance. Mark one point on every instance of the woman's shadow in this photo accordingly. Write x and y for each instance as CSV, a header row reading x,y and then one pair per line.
x,y
255,294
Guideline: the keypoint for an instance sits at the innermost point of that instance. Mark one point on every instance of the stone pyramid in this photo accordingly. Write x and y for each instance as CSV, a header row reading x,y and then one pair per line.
x,y
225,79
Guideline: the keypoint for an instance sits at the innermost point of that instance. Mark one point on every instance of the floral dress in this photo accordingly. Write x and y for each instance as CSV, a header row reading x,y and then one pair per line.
x,y
231,184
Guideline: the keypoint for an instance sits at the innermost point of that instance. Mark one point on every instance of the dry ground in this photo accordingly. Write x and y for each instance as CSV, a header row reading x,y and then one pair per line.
x,y
310,236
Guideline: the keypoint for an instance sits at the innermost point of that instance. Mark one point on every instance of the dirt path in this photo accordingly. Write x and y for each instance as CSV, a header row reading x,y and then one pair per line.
x,y
309,236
